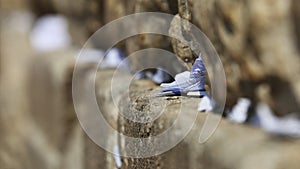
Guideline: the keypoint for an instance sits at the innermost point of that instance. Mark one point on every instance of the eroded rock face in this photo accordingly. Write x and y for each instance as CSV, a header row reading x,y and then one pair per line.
x,y
161,112
257,44
256,40
231,146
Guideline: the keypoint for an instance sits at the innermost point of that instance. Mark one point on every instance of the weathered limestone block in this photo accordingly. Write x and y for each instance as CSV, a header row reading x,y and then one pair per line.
x,y
181,48
24,144
144,41
143,107
39,128
51,107
243,147
96,157
232,146
256,42
111,113
181,29
50,93
93,157
13,153
141,111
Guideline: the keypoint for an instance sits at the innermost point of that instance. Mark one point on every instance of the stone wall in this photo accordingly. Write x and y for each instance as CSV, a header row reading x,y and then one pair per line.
x,y
232,146
258,42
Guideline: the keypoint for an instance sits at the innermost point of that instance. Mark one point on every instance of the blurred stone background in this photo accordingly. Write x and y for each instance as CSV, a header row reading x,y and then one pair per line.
x,y
258,42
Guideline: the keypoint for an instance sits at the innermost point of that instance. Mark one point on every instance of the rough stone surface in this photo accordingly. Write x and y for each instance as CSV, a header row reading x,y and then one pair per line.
x,y
256,42
231,146
259,45
39,128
